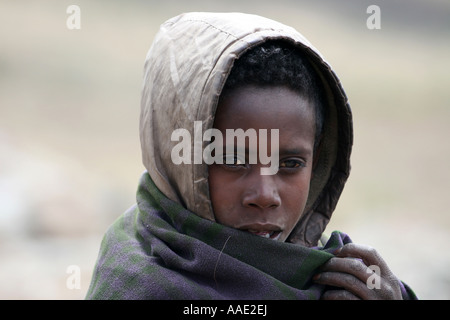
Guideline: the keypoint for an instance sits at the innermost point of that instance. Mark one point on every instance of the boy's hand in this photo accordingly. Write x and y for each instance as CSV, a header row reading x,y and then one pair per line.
x,y
351,273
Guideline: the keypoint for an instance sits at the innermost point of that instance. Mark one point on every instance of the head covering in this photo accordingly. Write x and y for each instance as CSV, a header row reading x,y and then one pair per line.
x,y
185,71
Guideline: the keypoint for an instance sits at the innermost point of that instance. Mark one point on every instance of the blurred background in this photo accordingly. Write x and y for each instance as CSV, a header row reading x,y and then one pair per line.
x,y
69,146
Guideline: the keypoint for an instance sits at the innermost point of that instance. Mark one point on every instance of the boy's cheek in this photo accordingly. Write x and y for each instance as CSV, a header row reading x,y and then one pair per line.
x,y
222,198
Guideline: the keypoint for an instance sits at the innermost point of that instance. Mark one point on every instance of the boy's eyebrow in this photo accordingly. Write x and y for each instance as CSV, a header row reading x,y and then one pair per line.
x,y
294,151
285,151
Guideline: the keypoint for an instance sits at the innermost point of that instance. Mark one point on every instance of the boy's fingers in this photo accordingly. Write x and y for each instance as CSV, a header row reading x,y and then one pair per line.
x,y
348,265
372,258
366,253
338,295
352,269
347,282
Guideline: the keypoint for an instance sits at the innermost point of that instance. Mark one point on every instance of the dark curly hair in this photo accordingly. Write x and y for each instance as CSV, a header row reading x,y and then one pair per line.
x,y
279,63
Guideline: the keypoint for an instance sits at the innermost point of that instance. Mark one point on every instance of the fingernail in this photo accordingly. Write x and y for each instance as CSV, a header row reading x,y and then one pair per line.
x,y
316,277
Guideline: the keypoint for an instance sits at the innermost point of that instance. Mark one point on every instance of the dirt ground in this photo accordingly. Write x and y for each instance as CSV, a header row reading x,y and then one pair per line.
x,y
69,146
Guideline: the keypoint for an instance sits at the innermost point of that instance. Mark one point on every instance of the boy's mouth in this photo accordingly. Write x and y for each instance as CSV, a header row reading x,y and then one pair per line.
x,y
264,230
274,235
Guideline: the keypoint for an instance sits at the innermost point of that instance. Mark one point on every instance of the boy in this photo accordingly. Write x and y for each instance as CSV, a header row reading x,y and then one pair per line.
x,y
226,99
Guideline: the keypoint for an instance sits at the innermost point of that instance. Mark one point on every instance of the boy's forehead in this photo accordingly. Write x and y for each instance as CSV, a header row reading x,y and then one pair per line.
x,y
257,112
263,107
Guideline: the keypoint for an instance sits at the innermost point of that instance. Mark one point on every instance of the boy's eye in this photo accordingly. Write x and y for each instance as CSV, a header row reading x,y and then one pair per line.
x,y
233,160
291,164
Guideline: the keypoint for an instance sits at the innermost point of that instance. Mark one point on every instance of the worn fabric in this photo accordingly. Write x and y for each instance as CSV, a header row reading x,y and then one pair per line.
x,y
160,250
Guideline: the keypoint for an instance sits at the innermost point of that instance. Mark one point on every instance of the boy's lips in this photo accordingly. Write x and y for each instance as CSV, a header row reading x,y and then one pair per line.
x,y
265,231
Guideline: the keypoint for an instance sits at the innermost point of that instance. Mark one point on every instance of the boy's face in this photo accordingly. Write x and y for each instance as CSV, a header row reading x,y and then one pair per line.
x,y
242,198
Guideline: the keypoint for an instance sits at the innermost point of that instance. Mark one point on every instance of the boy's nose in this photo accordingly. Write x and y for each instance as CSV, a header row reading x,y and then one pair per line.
x,y
261,192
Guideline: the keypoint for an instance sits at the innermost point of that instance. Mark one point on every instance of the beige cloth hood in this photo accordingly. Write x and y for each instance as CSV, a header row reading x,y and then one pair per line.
x,y
185,70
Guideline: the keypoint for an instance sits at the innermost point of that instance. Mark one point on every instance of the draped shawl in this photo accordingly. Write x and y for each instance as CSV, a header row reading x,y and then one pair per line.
x,y
160,250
